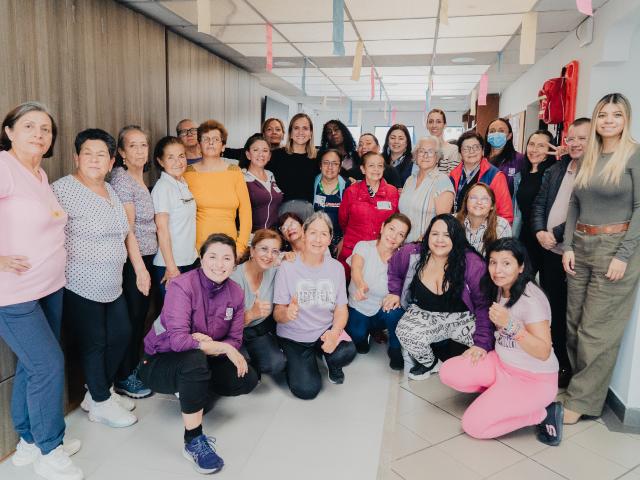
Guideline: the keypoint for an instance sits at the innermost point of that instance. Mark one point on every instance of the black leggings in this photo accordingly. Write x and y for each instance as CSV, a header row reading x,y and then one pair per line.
x,y
262,346
138,306
303,374
195,376
101,331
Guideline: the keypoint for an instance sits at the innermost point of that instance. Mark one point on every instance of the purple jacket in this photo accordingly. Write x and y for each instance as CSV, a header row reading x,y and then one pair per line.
x,y
510,168
399,279
196,304
264,203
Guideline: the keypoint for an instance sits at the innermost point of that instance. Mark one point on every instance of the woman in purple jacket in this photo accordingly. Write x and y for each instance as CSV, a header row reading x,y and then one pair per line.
x,y
264,194
192,348
443,296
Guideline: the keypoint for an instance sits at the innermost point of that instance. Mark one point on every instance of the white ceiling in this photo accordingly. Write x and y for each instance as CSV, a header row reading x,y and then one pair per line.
x,y
398,35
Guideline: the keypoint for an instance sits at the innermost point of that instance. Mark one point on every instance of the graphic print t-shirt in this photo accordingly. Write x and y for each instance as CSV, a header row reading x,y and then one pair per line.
x,y
318,290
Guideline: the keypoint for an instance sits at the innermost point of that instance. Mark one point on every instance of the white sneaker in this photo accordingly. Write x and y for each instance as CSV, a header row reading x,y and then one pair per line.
x,y
111,413
124,402
56,465
27,453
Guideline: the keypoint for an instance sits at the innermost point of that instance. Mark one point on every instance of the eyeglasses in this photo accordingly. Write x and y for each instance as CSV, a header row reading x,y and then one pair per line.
x,y
471,148
477,199
210,140
264,251
330,164
429,153
287,226
569,140
187,131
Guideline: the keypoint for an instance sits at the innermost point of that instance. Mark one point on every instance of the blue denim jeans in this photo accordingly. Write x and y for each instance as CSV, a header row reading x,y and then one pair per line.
x,y
359,325
32,331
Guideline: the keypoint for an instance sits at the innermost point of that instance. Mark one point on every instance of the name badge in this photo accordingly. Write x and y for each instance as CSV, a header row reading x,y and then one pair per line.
x,y
320,200
276,189
384,205
228,314
512,172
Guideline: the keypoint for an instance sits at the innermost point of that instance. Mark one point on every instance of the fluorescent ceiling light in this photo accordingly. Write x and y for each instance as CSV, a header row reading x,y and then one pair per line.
x,y
463,59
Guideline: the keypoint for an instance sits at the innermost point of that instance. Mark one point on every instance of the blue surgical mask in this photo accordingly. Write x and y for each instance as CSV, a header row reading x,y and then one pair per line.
x,y
497,139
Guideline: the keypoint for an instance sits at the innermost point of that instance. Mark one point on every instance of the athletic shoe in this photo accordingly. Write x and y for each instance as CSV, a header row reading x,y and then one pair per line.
x,y
396,362
335,374
550,430
202,453
27,453
111,413
124,402
133,387
364,346
422,372
56,465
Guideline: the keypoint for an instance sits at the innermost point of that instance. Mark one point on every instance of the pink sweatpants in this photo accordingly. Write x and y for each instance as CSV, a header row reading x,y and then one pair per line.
x,y
512,398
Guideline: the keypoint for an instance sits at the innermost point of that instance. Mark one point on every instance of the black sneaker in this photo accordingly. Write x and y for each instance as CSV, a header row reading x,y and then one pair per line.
x,y
363,346
336,375
550,430
422,372
396,362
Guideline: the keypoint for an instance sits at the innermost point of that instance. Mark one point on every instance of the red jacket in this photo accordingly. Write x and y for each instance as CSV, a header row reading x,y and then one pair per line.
x,y
496,180
361,216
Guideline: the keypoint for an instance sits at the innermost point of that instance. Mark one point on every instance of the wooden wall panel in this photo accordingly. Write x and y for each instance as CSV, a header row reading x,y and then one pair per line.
x,y
8,436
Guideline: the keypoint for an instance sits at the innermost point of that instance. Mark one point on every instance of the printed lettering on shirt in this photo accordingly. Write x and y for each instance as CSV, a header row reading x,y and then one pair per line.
x,y
506,341
384,205
320,293
228,314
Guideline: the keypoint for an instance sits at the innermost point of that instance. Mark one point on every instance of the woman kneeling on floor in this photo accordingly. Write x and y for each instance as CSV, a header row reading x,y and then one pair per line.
x,y
311,310
444,297
192,348
520,377
368,288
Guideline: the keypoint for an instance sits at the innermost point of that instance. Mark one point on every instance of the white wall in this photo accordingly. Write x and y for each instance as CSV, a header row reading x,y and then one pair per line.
x,y
611,63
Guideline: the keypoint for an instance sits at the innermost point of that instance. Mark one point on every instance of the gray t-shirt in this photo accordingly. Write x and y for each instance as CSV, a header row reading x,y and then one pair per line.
x,y
265,292
374,274
318,289
95,234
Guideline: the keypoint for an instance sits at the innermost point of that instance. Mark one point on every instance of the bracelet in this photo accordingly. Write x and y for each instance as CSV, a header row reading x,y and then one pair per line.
x,y
520,335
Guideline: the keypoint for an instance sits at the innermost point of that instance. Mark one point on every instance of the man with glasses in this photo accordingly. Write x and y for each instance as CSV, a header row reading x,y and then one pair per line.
x,y
548,216
187,132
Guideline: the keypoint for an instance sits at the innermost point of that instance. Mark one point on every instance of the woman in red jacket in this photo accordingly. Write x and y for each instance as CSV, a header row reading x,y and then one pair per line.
x,y
365,206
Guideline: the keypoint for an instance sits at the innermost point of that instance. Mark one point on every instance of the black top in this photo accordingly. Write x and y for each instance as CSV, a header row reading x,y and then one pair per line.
x,y
233,153
431,302
526,194
295,174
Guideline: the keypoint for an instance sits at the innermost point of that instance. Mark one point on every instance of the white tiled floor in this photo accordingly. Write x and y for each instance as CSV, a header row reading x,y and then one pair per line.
x,y
376,425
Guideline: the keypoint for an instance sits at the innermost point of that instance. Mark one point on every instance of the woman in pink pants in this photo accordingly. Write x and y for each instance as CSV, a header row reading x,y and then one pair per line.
x,y
519,379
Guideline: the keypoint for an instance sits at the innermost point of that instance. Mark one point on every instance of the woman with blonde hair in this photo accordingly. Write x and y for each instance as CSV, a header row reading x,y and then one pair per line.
x,y
295,167
601,255
478,216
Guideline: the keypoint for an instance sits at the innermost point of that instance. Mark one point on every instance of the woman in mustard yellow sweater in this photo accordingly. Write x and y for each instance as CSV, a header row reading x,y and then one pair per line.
x,y
219,189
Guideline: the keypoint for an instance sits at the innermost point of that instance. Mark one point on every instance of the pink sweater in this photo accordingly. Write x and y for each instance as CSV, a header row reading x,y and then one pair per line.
x,y
32,226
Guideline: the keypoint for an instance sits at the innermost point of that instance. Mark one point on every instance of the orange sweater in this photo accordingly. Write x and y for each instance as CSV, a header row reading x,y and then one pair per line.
x,y
218,196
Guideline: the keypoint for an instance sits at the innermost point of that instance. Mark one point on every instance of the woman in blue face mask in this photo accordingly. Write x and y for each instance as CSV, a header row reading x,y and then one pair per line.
x,y
499,149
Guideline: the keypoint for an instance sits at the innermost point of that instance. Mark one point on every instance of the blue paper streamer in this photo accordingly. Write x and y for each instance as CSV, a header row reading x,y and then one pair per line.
x,y
304,76
338,27
426,100
499,61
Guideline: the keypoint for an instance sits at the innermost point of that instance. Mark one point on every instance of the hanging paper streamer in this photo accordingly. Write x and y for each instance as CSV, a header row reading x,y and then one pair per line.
x,y
373,83
585,7
393,115
357,61
303,82
386,112
426,100
338,27
204,16
324,101
483,89
444,12
380,88
528,38
350,112
472,102
500,62
359,122
269,47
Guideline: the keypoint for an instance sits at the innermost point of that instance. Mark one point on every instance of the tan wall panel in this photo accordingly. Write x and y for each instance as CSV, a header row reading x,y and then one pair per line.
x,y
8,437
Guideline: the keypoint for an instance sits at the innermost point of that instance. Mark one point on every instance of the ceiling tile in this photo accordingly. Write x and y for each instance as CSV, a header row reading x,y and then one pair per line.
x,y
377,9
399,47
480,26
397,29
222,13
314,32
489,7
471,44
324,49
543,41
259,49
289,11
296,72
409,70
545,5
243,34
559,21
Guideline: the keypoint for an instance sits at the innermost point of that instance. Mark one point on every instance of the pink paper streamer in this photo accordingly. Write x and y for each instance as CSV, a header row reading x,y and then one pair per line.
x,y
585,7
373,84
393,115
269,47
483,89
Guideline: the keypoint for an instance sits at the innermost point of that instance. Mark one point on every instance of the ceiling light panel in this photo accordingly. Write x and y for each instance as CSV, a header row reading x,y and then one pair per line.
x,y
314,32
471,44
229,12
397,29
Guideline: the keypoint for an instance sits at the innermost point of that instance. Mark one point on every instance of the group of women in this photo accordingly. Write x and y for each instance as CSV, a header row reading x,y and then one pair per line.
x,y
421,242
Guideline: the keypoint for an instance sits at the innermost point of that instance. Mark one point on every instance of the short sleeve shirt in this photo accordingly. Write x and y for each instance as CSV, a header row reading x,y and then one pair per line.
x,y
374,274
95,235
319,291
265,292
130,191
531,307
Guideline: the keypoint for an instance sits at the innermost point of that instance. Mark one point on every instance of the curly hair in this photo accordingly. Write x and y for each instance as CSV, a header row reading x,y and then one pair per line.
x,y
347,139
454,269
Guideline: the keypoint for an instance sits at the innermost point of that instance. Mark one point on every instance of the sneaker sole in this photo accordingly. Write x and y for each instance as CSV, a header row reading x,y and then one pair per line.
x,y
137,396
110,424
328,375
23,462
48,473
204,471
423,376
